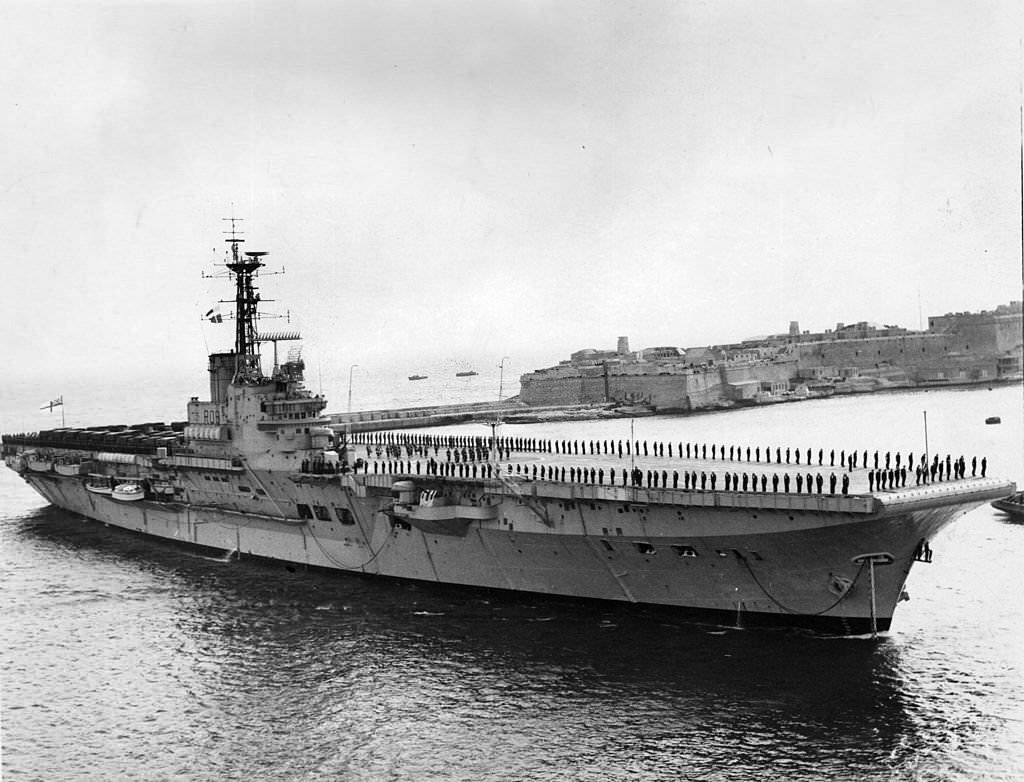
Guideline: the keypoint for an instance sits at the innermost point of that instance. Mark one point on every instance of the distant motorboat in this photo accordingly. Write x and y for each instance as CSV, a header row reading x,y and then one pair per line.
x,y
470,373
1012,505
993,419
417,377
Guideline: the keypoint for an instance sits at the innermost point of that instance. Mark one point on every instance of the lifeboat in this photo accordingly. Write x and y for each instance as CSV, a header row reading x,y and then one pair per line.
x,y
98,484
128,492
39,463
67,467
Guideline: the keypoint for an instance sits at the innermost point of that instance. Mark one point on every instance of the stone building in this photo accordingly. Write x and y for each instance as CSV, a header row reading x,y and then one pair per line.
x,y
957,348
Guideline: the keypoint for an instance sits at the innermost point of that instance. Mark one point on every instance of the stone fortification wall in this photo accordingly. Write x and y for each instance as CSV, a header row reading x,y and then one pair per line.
x,y
959,348
769,372
671,388
662,391
704,388
538,389
907,352
999,335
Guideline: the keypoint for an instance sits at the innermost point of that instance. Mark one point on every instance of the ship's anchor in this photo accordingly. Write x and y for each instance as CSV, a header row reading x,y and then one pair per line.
x,y
877,558
839,585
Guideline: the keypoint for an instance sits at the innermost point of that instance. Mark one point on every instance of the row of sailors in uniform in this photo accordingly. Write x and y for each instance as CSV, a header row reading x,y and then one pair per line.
x,y
887,475
690,479
880,479
880,461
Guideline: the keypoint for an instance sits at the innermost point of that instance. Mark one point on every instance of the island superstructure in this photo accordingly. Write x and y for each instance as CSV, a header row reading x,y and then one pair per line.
x,y
731,533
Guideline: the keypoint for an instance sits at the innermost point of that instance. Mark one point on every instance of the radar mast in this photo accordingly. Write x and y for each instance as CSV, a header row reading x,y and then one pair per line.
x,y
244,267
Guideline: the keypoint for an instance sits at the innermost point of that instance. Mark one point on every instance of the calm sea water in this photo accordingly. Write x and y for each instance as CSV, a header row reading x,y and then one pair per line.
x,y
125,658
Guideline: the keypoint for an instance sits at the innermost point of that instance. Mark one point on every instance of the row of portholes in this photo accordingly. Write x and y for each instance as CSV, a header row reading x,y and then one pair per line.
x,y
681,550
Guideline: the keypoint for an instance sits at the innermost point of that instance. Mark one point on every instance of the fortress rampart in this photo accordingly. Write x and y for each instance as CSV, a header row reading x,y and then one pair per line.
x,y
957,348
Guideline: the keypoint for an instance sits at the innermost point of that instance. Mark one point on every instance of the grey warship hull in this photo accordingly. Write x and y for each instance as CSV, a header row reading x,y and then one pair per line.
x,y
830,563
258,471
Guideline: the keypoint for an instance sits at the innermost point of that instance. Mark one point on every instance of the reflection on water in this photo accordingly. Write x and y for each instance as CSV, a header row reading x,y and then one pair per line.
x,y
144,656
126,657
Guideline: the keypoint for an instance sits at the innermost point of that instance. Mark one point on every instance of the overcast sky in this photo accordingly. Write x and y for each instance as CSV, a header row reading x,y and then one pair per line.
x,y
458,181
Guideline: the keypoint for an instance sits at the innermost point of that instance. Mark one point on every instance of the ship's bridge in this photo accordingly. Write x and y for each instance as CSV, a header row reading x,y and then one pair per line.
x,y
277,413
293,409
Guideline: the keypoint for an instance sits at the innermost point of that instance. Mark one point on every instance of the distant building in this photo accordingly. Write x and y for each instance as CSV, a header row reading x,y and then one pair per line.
x,y
962,347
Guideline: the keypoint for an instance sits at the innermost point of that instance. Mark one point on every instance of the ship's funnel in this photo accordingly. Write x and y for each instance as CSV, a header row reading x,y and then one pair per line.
x,y
222,369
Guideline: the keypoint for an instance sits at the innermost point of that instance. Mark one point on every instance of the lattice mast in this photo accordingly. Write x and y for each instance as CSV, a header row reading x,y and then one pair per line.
x,y
244,267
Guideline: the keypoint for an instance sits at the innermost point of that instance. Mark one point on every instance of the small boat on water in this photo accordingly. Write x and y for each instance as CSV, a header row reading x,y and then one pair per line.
x,y
1012,505
128,492
993,419
417,377
469,373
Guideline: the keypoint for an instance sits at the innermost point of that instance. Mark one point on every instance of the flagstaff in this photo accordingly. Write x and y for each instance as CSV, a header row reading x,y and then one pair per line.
x,y
58,402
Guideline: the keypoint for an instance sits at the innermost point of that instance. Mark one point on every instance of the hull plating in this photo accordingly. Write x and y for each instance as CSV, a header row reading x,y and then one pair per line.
x,y
725,564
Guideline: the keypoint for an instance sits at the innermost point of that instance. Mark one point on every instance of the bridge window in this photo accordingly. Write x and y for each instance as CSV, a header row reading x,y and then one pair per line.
x,y
304,511
321,513
644,548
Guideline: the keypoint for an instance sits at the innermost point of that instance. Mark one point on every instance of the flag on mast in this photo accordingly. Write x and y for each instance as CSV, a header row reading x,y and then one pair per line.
x,y
58,402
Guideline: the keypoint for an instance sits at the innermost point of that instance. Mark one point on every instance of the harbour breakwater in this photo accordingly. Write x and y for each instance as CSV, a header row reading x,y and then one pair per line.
x,y
958,349
515,411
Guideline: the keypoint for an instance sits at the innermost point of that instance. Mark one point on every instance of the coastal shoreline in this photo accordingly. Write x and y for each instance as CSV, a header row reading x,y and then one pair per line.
x,y
512,411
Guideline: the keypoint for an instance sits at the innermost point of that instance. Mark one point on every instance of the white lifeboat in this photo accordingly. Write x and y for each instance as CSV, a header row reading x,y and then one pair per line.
x,y
128,492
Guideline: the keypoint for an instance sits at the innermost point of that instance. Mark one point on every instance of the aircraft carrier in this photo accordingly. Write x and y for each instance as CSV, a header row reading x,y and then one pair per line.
x,y
726,533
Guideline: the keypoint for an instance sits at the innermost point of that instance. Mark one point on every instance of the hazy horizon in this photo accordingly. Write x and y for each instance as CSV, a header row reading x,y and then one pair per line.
x,y
457,182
